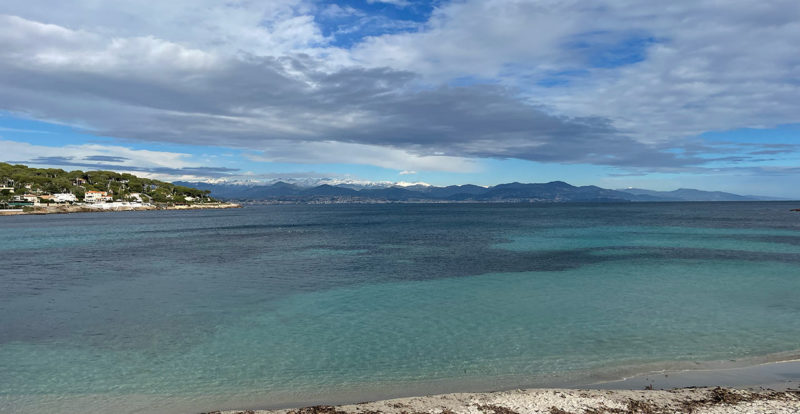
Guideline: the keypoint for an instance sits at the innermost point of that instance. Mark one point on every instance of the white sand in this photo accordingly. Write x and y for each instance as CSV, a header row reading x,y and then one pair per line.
x,y
562,401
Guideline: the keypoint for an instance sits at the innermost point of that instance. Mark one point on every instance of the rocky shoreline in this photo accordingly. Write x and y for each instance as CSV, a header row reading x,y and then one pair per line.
x,y
88,208
563,401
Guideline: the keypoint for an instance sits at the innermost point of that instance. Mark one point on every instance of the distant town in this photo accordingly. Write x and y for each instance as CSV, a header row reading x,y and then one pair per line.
x,y
25,189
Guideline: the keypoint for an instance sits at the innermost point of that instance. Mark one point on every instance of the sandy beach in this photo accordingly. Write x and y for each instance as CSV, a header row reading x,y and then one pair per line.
x,y
563,401
764,388
777,391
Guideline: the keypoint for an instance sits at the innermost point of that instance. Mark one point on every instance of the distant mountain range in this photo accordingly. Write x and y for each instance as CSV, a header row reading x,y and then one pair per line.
x,y
556,191
688,194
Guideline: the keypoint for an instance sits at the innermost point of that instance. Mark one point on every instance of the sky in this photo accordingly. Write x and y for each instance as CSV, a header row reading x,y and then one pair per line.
x,y
616,93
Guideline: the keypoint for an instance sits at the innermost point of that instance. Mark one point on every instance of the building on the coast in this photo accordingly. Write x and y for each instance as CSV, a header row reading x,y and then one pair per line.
x,y
9,189
64,198
135,197
27,198
47,198
189,198
119,205
96,197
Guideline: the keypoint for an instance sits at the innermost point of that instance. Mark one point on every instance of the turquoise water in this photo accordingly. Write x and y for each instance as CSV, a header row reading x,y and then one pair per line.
x,y
282,305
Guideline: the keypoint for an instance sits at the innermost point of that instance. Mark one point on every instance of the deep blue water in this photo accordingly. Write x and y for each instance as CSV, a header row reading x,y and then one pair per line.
x,y
266,306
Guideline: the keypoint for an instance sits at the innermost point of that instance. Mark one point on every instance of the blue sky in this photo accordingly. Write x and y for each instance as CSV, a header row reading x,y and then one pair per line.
x,y
611,93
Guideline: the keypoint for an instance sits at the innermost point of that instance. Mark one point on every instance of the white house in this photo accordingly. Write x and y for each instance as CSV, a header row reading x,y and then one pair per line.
x,y
96,197
27,198
64,198
7,188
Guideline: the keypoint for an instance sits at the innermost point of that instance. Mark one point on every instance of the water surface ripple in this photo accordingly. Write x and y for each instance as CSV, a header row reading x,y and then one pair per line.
x,y
279,305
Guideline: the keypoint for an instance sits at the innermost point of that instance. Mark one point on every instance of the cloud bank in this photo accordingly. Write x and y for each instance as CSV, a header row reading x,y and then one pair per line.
x,y
618,83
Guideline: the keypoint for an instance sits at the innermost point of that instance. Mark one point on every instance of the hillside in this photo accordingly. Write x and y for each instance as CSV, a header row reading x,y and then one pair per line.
x,y
19,180
688,194
556,191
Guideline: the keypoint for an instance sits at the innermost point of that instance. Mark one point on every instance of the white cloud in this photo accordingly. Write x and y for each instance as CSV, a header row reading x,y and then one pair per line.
x,y
705,65
480,38
407,172
274,28
13,150
161,165
330,152
48,47
717,68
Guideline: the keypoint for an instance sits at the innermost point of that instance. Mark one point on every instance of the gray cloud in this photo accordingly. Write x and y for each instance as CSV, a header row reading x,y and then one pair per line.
x,y
698,65
47,161
249,102
105,158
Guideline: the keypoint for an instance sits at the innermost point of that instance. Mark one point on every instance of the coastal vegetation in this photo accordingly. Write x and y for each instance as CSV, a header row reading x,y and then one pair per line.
x,y
20,181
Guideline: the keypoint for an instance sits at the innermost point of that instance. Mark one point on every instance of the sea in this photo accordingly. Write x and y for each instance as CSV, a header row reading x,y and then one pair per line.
x,y
286,305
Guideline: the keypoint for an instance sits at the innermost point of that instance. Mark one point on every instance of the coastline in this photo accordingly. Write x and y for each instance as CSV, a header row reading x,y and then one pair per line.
x,y
356,201
571,401
769,374
776,390
97,208
767,387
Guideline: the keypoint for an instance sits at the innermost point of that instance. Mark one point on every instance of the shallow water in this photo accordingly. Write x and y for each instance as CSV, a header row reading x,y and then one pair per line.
x,y
280,305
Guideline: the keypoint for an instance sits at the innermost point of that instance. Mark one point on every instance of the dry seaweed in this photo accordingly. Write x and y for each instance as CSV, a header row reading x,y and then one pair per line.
x,y
643,407
495,409
726,396
317,409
